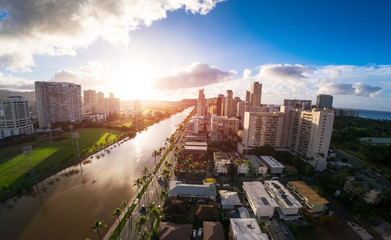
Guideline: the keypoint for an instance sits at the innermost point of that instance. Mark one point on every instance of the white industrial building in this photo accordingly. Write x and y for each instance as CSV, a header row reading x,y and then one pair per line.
x,y
261,203
229,200
275,167
192,192
260,167
288,206
245,229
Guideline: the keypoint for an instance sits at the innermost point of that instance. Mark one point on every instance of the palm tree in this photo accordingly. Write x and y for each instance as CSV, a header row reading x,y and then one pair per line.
x,y
145,171
138,182
97,226
140,222
163,195
156,154
124,204
117,212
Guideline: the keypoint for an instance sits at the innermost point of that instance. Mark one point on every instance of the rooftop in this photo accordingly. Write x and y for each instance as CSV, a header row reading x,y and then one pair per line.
x,y
308,193
213,231
257,192
229,198
246,228
255,161
205,148
284,197
196,144
179,188
273,163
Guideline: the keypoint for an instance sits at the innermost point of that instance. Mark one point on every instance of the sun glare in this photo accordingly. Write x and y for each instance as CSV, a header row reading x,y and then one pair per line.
x,y
134,81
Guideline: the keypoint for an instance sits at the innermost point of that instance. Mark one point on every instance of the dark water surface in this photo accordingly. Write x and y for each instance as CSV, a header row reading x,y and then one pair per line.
x,y
68,208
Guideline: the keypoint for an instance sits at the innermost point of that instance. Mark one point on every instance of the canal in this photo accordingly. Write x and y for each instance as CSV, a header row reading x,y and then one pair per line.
x,y
68,208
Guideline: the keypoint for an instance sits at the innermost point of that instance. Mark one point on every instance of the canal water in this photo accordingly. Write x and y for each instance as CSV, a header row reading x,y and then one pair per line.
x,y
68,208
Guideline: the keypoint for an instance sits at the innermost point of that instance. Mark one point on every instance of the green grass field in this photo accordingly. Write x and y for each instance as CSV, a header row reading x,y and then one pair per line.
x,y
14,166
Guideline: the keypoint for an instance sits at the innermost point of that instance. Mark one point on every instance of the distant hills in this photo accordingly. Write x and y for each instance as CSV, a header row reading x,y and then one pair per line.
x,y
29,96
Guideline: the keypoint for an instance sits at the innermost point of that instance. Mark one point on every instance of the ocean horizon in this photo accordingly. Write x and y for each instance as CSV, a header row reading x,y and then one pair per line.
x,y
372,114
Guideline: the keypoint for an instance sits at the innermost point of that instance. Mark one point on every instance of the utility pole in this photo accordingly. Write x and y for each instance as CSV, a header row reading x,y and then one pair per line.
x,y
27,150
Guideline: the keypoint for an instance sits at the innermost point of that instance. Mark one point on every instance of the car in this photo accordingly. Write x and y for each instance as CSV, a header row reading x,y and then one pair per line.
x,y
194,234
226,185
143,211
275,178
200,232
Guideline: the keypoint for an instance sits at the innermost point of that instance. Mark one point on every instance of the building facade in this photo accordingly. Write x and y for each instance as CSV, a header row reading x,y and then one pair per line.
x,y
16,118
58,102
261,203
228,110
224,128
324,101
255,94
201,103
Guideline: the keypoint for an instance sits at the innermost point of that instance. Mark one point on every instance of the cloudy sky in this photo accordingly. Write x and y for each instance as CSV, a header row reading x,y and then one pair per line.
x,y
168,49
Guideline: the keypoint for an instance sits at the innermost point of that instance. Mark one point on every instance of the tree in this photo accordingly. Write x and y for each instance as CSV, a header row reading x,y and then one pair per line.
x,y
138,182
97,226
124,204
145,171
117,212
140,222
156,154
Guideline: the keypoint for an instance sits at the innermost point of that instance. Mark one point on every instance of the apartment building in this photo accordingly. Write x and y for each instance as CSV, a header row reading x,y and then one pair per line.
x,y
16,118
245,228
310,200
201,103
288,206
229,104
262,129
310,136
223,128
261,203
58,102
259,166
274,166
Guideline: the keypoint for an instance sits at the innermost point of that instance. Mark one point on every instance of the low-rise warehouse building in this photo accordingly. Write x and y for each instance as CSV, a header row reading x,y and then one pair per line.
x,y
192,192
260,201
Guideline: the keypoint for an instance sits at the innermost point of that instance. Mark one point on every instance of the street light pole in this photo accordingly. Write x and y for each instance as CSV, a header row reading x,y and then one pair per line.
x,y
71,127
76,136
50,133
26,151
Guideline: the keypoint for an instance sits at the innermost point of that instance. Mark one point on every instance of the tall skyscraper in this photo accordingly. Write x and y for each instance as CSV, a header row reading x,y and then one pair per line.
x,y
220,105
255,94
58,101
324,101
201,106
137,106
228,111
296,103
247,97
16,118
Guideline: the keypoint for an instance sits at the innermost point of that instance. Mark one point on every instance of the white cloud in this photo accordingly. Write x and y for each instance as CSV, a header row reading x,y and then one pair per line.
x,y
246,73
195,75
59,27
89,76
12,83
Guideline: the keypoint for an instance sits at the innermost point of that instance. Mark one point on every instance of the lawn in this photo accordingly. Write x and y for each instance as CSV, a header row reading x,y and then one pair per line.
x,y
14,166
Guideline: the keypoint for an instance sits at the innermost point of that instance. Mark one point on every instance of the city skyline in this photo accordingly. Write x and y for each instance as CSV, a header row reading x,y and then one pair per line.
x,y
169,51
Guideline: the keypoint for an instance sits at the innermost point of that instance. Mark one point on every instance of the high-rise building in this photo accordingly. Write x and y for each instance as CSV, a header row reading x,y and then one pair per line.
x,y
296,103
58,101
16,118
255,94
324,101
220,105
201,106
223,128
137,106
262,129
90,100
247,97
310,135
228,111
235,106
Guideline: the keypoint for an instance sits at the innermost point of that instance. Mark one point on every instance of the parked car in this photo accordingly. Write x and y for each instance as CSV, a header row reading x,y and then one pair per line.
x,y
143,211
226,185
194,234
200,232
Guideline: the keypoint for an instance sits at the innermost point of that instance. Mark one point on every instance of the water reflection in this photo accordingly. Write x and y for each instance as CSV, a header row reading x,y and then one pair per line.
x,y
69,206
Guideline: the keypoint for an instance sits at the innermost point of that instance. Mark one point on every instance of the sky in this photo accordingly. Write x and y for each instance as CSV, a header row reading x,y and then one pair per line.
x,y
169,49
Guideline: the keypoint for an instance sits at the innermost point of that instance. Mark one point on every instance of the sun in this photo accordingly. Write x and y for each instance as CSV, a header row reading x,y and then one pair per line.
x,y
134,81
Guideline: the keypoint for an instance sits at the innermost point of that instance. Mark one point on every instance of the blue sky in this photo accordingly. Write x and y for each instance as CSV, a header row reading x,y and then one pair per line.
x,y
296,49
